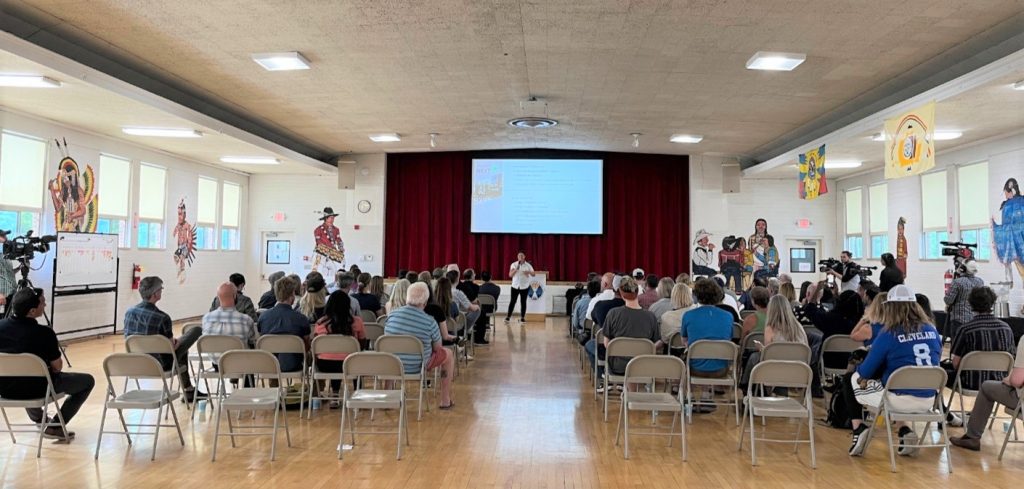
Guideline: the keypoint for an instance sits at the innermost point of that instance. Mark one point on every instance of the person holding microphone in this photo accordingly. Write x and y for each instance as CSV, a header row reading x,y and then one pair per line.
x,y
520,272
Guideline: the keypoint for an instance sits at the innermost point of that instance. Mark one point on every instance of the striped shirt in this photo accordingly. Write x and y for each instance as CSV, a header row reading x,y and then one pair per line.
x,y
411,320
984,333
230,322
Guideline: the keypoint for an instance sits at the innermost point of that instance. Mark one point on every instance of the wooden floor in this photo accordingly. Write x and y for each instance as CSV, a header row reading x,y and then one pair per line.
x,y
524,418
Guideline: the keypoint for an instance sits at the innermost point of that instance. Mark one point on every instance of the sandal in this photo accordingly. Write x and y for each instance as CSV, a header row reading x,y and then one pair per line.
x,y
449,406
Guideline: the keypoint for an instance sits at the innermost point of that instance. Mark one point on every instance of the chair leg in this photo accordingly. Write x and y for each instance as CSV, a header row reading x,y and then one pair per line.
x,y
341,432
124,426
607,386
287,431
156,431
682,433
625,425
743,429
7,423
99,437
273,434
753,438
618,426
949,454
177,426
810,435
419,402
799,429
216,431
231,428
1006,439
401,428
888,432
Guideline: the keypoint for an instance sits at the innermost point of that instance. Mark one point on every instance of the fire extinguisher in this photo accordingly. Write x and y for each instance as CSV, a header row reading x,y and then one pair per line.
x,y
136,276
947,280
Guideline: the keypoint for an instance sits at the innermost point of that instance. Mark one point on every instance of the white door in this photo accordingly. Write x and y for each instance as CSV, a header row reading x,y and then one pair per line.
x,y
801,259
277,252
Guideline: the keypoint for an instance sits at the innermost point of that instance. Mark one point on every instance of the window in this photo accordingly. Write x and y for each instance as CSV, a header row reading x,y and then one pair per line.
x,y
934,211
878,217
206,215
229,215
152,190
22,176
115,173
972,202
854,242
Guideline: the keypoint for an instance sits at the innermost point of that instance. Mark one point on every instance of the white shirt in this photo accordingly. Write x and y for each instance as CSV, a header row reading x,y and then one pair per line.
x,y
520,276
852,284
731,302
605,295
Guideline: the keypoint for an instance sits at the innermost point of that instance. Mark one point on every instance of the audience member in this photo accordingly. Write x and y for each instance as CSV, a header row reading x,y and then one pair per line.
x,y
707,322
377,289
467,286
425,277
488,287
366,300
226,320
867,290
398,292
464,303
784,279
411,277
313,301
145,318
780,326
600,312
650,294
337,319
298,287
664,302
267,300
21,333
744,300
243,304
606,294
728,303
754,323
629,321
789,292
1004,392
284,319
841,319
983,333
926,305
891,275
803,290
957,295
579,313
684,278
442,308
869,326
773,286
680,302
412,320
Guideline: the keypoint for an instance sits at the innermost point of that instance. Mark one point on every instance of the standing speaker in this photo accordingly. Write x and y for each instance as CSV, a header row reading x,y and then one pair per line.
x,y
731,179
346,175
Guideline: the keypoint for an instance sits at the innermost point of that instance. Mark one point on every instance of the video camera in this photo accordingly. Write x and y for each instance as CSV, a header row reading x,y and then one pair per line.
x,y
24,248
961,253
829,264
865,272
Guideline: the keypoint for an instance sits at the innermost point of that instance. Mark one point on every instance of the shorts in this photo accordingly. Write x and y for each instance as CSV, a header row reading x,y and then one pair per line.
x,y
871,397
437,358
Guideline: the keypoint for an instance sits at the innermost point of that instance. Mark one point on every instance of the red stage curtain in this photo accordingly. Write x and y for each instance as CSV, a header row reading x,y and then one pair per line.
x,y
646,218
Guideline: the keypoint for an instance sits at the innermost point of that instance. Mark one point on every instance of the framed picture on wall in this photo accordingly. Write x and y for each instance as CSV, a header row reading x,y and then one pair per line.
x,y
802,260
279,252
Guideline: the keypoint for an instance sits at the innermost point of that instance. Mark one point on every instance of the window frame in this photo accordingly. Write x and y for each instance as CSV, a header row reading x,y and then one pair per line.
x,y
162,244
19,209
209,227
926,231
124,238
856,251
235,230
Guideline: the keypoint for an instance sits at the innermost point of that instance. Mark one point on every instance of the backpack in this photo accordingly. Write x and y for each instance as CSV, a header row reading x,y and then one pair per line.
x,y
837,416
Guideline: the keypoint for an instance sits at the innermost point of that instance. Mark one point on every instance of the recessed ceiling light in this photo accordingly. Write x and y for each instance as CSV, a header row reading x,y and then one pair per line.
x,y
839,164
27,81
947,135
533,122
287,61
162,132
1019,85
770,61
390,137
686,138
250,160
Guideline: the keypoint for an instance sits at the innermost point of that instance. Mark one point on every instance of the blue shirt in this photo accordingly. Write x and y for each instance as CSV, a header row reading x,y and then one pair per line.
x,y
876,329
146,319
412,321
579,315
892,350
707,323
282,319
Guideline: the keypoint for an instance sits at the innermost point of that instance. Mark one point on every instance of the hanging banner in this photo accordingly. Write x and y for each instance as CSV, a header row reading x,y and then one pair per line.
x,y
910,142
812,174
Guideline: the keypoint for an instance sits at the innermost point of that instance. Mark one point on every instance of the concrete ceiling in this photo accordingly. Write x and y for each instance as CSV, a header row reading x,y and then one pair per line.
x,y
460,67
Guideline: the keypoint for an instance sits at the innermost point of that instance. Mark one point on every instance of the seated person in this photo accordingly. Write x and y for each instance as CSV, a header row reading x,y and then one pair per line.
x,y
707,322
681,302
871,324
284,319
411,320
311,304
267,300
841,319
600,310
664,302
780,325
983,333
650,294
462,301
579,313
21,333
992,391
145,318
367,301
243,304
754,323
629,321
337,319
228,321
906,339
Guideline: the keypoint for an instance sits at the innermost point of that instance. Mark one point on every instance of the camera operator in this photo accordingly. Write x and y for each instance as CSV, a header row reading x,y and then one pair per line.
x,y
8,283
846,272
959,308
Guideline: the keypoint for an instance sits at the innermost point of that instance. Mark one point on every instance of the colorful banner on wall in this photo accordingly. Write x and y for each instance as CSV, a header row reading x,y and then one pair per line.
x,y
910,142
812,174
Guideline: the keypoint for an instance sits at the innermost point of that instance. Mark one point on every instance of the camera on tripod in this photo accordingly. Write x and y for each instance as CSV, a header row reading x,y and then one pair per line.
x,y
961,253
24,248
829,264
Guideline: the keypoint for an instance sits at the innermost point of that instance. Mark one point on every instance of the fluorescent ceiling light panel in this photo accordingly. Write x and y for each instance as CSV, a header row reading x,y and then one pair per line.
x,y
947,135
162,132
1019,85
770,61
286,61
842,164
27,81
250,160
385,138
686,138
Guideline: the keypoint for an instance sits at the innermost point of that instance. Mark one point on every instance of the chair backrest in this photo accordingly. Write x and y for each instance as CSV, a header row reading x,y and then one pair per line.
x,y
995,361
191,325
922,378
656,367
381,319
599,336
241,362
368,316
374,364
629,347
737,331
786,350
676,340
748,341
134,365
486,300
399,343
216,343
588,325
712,350
259,312
149,343
22,365
334,343
782,373
745,313
841,343
373,331
281,343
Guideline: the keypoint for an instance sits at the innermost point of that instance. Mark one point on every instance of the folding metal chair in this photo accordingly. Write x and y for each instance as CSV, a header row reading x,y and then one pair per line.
x,y
29,365
726,351
137,366
622,347
978,361
1015,415
330,343
262,365
373,331
286,343
599,362
787,351
156,345
409,345
368,316
644,369
914,378
779,373
381,366
209,347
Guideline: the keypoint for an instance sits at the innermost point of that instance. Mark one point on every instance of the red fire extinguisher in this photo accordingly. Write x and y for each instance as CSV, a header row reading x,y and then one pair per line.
x,y
947,280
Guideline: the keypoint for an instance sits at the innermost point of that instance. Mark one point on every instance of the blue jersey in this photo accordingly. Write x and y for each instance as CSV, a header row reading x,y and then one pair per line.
x,y
892,350
876,329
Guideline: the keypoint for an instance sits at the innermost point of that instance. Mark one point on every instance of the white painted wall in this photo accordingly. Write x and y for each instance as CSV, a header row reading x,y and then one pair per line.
x,y
210,267
1006,159
300,197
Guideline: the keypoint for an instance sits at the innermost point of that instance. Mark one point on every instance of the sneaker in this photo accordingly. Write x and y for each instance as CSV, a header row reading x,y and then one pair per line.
x,y
908,442
953,420
600,390
508,320
859,441
966,442
193,395
334,405
469,358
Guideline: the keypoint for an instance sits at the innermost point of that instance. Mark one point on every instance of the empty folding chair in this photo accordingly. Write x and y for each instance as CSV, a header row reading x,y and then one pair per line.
x,y
288,344
209,347
157,345
373,331
381,366
330,343
977,361
1015,415
29,365
914,378
779,373
409,345
676,346
644,369
137,366
368,316
737,332
726,351
263,366
751,340
622,347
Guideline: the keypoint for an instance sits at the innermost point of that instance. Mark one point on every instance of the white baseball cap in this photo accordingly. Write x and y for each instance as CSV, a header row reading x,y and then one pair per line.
x,y
616,282
639,273
901,293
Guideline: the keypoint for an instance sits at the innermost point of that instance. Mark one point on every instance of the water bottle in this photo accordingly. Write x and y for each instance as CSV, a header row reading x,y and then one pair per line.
x,y
202,406
316,403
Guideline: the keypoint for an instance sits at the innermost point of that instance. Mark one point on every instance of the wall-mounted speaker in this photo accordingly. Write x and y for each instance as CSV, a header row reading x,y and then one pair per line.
x,y
346,175
731,179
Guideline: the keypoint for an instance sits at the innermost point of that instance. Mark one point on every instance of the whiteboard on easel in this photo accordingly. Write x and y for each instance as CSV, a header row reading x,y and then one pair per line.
x,y
86,259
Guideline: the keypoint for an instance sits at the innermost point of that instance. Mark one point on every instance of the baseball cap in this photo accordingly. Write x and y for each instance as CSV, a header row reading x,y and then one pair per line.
x,y
901,293
638,273
616,282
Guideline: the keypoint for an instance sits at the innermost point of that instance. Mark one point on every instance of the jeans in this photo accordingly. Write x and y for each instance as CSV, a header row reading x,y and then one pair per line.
x,y
77,386
992,391
185,342
592,349
521,295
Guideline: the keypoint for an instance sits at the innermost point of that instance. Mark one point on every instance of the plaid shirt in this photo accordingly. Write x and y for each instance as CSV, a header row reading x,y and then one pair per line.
x,y
983,333
230,322
243,304
959,310
145,318
8,282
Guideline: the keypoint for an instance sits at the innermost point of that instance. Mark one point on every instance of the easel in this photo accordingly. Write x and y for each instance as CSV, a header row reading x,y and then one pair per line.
x,y
56,292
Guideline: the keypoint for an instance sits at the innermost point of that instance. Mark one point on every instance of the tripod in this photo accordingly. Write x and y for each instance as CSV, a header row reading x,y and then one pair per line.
x,y
25,283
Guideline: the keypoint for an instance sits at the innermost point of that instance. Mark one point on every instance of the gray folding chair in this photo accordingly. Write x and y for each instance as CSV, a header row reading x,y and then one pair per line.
x,y
676,345
209,348
622,347
155,344
409,345
840,343
263,366
644,369
750,341
745,313
737,332
1015,415
373,331
381,366
787,351
368,316
599,362
726,351
137,366
977,361
914,378
779,373
29,365
487,300
286,343
588,325
330,343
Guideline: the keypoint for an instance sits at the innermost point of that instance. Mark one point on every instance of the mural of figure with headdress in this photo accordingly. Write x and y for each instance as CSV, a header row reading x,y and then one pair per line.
x,y
330,250
75,203
703,255
730,261
1008,236
185,235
